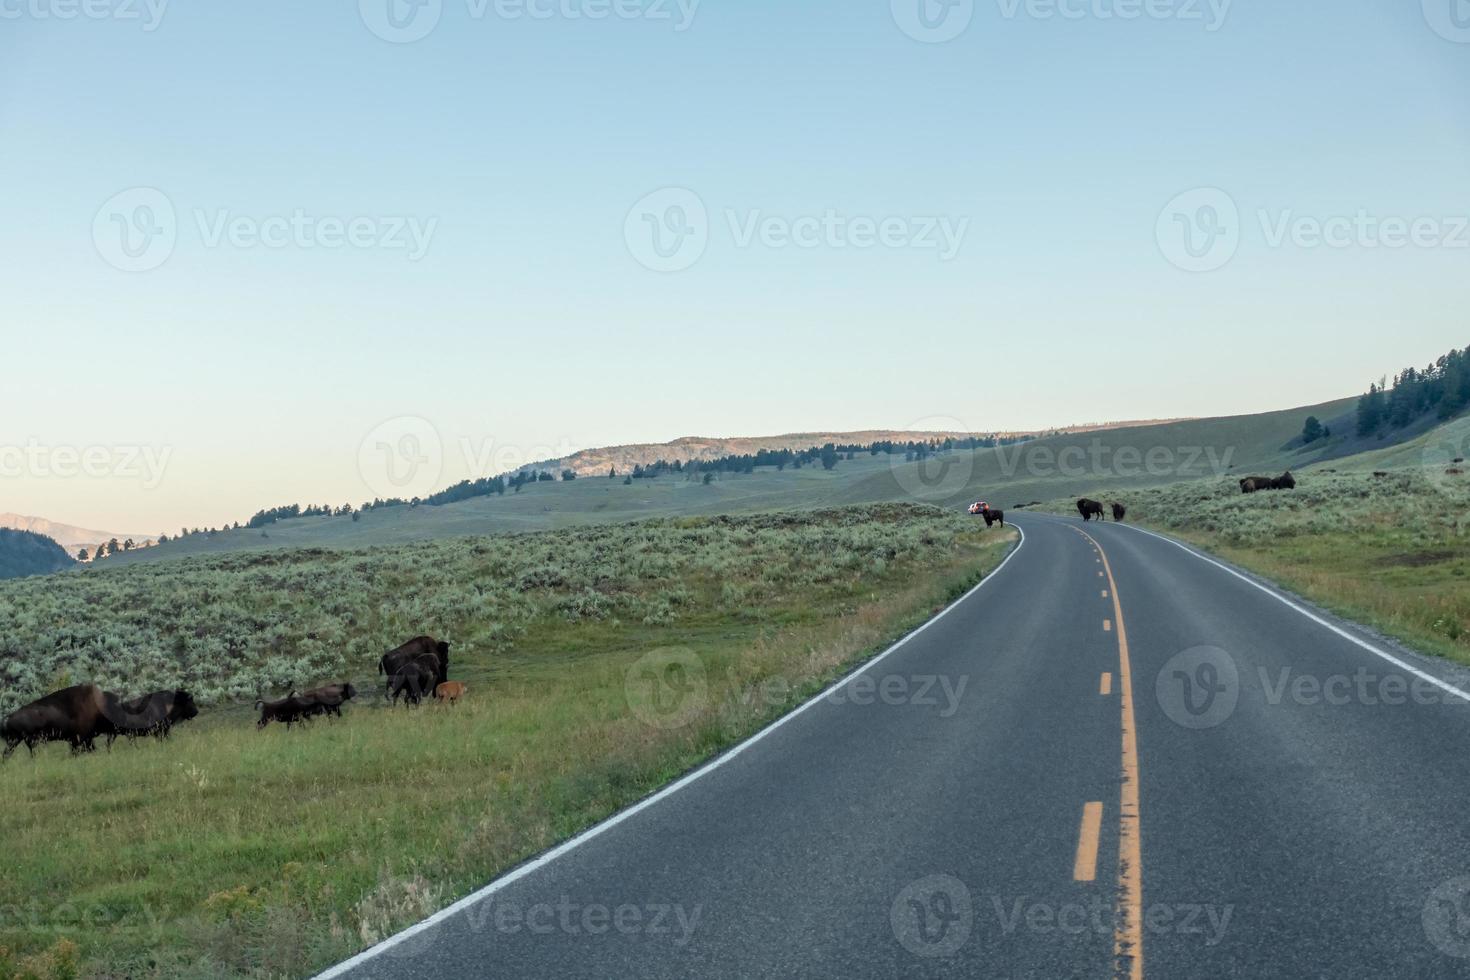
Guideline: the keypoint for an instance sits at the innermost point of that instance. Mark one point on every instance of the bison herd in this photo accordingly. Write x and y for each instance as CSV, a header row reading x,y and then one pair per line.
x,y
1094,508
79,715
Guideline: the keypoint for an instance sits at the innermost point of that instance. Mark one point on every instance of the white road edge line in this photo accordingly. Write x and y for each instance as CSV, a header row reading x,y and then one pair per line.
x,y
597,830
1384,654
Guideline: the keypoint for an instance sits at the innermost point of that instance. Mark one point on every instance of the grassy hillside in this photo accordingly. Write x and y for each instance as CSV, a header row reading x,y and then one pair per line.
x,y
1392,551
26,553
1059,466
601,663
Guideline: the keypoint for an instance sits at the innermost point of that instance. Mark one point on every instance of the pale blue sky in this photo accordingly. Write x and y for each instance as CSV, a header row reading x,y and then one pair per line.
x,y
521,145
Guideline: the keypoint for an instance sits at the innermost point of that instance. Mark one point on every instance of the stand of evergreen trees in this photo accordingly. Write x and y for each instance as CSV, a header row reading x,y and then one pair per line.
x,y
28,553
1442,388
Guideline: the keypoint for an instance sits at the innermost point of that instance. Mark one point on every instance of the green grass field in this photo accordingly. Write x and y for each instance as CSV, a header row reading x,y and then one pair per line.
x,y
1046,469
601,663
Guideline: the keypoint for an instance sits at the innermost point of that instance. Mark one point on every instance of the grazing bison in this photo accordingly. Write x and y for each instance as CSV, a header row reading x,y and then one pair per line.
x,y
76,715
1380,473
1090,509
152,714
1284,482
415,648
329,699
412,681
289,710
450,692
1253,483
1119,511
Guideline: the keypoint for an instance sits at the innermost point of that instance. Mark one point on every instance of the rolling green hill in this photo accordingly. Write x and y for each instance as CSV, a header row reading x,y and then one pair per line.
x,y
1108,461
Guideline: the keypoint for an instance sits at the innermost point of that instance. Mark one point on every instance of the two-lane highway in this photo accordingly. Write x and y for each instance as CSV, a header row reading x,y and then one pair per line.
x,y
1113,758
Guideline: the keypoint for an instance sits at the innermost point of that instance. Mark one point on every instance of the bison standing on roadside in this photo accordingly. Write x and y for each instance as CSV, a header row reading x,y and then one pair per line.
x,y
1119,511
1090,509
992,516
419,646
76,715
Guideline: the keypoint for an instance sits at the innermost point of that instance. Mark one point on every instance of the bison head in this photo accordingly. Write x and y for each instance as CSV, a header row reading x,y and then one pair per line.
x,y
184,707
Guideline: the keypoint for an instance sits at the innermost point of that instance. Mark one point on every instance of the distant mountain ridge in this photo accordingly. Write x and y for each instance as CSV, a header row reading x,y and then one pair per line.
x,y
597,461
68,536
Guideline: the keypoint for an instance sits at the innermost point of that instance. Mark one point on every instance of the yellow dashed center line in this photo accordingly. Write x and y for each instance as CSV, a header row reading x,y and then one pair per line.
x,y
1106,685
1107,626
1085,867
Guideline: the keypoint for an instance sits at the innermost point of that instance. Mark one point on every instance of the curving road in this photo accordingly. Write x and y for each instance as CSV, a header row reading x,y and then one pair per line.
x,y
1114,758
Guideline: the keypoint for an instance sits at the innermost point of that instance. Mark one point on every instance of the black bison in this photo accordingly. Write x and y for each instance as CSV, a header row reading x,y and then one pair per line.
x,y
412,681
152,714
1119,511
1251,484
76,715
993,515
1090,509
329,700
419,646
289,710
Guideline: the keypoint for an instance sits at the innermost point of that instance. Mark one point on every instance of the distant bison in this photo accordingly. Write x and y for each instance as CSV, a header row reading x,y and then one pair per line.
x,y
1251,484
1380,474
152,714
1119,511
415,648
76,715
1090,509
993,515
412,682
450,692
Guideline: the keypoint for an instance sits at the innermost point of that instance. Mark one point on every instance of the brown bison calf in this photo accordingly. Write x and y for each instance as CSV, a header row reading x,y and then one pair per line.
x,y
450,692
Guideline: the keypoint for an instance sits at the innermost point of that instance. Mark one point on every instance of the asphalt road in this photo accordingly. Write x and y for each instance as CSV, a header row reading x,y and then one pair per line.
x,y
1249,792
